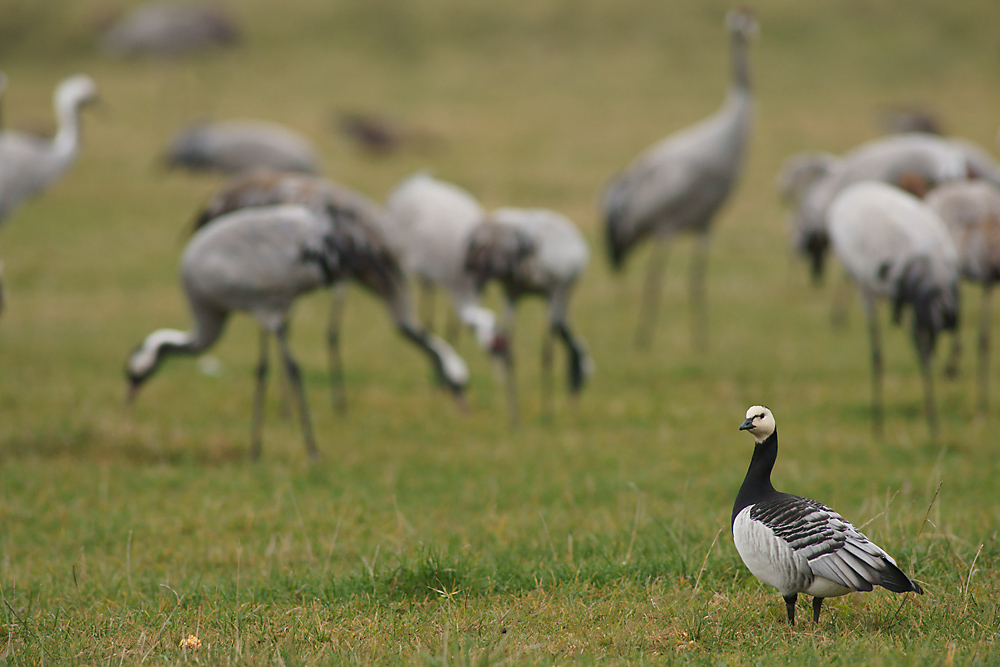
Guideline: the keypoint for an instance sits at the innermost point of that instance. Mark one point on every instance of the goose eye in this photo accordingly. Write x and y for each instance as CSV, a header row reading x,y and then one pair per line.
x,y
760,416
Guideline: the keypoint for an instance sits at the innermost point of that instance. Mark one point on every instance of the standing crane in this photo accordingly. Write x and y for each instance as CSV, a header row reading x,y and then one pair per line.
x,y
29,164
383,278
895,247
679,185
534,251
971,211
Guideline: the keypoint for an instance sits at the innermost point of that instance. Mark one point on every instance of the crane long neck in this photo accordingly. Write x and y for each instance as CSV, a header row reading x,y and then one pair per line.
x,y
740,63
757,483
67,139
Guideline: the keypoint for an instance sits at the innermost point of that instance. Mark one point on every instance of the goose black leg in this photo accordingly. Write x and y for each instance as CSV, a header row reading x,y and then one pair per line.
x,y
817,603
790,607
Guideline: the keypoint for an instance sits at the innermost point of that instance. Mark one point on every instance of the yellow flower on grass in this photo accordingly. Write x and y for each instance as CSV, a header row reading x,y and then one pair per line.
x,y
190,642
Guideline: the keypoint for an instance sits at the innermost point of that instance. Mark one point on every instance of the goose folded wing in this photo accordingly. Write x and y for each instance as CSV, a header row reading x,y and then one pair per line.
x,y
832,546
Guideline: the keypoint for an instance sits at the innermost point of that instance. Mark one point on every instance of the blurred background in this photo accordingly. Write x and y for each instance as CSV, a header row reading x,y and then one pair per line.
x,y
527,103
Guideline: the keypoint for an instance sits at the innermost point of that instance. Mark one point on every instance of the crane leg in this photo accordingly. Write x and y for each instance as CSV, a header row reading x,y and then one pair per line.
x,y
699,305
985,322
651,295
507,358
841,300
427,304
954,354
547,363
295,380
876,343
260,391
333,349
924,352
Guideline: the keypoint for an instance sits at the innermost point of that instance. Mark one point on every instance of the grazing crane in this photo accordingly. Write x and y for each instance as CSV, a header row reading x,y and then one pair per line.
x,y
895,247
29,164
259,260
971,211
799,545
432,225
533,251
264,188
680,183
916,162
241,145
164,29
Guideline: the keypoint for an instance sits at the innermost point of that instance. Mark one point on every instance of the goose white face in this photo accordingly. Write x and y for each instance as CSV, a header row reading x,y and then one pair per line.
x,y
760,423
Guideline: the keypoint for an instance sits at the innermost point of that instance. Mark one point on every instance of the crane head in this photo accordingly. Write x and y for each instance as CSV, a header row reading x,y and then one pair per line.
x,y
75,92
741,21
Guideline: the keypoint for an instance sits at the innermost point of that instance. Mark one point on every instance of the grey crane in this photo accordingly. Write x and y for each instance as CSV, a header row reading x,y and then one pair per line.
x,y
259,260
235,146
971,211
384,278
895,247
163,29
916,162
541,252
29,164
799,545
680,183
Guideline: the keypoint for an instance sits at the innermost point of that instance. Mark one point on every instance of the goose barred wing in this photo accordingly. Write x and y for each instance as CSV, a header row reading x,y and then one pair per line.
x,y
832,546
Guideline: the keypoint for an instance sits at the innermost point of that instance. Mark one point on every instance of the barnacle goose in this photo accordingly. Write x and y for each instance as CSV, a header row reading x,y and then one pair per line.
x,y
799,545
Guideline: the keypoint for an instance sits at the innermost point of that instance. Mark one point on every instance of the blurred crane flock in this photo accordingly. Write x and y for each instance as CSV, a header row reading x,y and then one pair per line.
x,y
503,160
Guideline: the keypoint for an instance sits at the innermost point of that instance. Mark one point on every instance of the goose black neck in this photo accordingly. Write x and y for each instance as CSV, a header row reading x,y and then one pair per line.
x,y
757,483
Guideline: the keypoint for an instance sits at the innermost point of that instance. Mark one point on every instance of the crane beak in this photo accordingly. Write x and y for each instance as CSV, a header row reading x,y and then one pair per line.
x,y
462,402
747,425
130,394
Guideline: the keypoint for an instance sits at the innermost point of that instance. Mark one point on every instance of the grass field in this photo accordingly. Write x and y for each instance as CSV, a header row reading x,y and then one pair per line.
x,y
425,536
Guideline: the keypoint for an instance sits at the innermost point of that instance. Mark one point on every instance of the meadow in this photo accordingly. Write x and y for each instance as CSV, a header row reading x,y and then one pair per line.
x,y
429,536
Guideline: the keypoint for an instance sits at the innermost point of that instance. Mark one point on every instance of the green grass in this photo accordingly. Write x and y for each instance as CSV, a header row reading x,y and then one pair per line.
x,y
425,536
